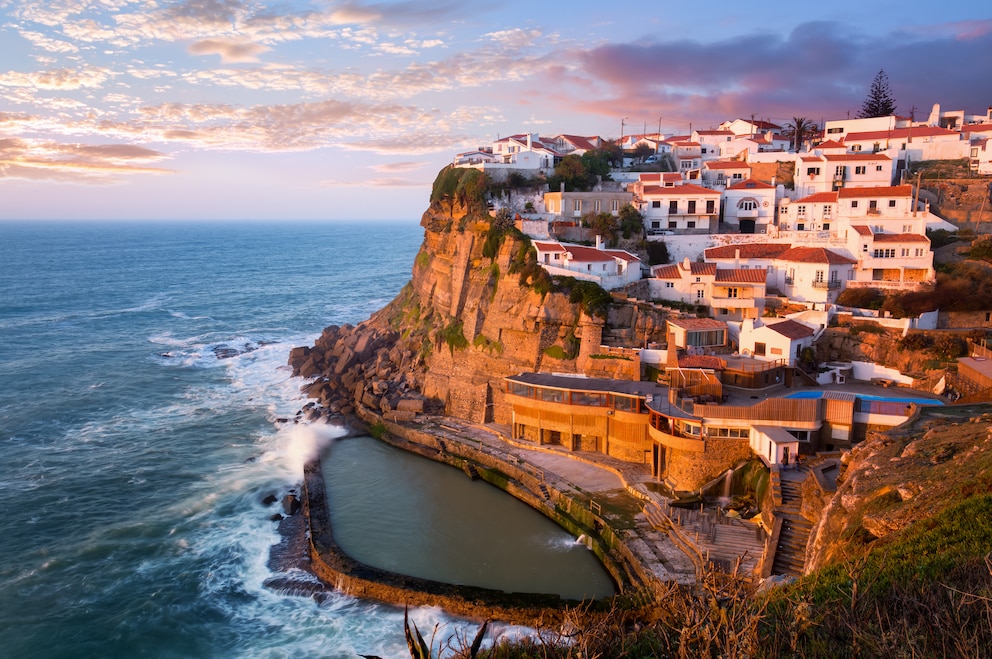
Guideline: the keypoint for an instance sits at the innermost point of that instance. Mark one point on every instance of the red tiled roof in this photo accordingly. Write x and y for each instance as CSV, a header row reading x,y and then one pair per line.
x,y
687,143
881,191
686,189
815,255
900,238
671,177
812,158
792,329
748,251
591,254
644,178
899,133
697,323
704,269
714,132
830,144
862,230
751,184
623,255
580,142
726,164
741,275
977,128
818,198
855,156
548,247
667,271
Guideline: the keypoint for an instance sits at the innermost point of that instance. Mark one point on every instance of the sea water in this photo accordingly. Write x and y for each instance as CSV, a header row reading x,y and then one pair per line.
x,y
142,374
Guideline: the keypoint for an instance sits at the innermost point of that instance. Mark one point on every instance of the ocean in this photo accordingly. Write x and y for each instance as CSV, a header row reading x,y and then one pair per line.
x,y
142,373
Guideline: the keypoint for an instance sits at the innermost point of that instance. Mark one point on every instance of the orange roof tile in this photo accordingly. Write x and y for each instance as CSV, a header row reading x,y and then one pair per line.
x,y
818,198
747,251
697,323
830,144
741,275
855,156
726,164
686,189
881,191
792,329
899,133
666,271
900,238
815,255
862,230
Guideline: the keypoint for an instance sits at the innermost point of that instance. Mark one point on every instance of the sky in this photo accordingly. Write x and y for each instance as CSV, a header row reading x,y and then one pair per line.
x,y
325,110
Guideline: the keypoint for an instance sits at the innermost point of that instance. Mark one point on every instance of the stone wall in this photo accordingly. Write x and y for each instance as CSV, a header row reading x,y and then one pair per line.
x,y
688,471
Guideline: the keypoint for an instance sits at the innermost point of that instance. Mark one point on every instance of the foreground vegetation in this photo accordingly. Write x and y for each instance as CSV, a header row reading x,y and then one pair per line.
x,y
925,593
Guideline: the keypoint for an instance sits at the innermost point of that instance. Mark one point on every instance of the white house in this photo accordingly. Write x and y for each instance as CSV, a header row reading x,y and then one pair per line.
x,y
686,208
732,294
892,260
711,142
813,275
777,340
749,205
749,127
823,172
721,173
918,142
610,268
775,445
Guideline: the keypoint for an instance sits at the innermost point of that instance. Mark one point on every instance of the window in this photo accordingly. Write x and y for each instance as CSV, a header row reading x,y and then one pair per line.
x,y
691,224
672,224
884,253
860,169
759,349
748,205
698,279
892,203
856,147
692,206
864,248
597,205
835,129
840,170
577,205
655,204
826,226
737,176
732,292
854,204
801,226
919,251
704,150
878,168
819,276
813,171
827,210
904,251
700,294
801,210
873,205
669,284
907,228
673,206
615,205
711,206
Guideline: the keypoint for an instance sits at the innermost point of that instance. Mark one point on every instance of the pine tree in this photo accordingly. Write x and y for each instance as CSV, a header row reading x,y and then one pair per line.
x,y
879,102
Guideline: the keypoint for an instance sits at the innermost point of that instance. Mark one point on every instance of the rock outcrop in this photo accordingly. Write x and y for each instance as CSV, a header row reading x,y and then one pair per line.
x,y
472,314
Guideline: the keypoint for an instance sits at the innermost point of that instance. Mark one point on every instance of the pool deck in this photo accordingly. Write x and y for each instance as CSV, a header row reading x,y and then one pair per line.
x,y
856,387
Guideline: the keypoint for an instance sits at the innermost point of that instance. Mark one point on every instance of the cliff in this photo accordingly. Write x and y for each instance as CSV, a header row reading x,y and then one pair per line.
x,y
477,309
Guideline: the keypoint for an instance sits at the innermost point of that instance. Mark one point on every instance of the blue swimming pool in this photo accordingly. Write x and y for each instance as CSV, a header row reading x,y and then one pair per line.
x,y
869,397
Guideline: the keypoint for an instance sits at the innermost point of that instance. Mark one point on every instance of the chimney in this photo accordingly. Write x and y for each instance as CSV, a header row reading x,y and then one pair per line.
x,y
530,142
686,264
599,242
737,257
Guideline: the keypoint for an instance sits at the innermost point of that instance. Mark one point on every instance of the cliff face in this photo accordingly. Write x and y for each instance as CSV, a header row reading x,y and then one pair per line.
x,y
910,473
470,316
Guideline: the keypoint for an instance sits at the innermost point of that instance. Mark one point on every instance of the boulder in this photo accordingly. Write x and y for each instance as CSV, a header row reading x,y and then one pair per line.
x,y
290,504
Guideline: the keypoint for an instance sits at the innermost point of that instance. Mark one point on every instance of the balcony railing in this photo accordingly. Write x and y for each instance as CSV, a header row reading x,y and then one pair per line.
x,y
832,284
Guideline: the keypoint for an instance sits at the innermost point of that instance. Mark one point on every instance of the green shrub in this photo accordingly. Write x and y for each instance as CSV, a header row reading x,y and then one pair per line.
x,y
454,336
378,430
555,352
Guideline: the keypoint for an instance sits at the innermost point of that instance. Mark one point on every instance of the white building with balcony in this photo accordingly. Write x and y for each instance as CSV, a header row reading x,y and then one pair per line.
x,y
750,206
684,209
610,268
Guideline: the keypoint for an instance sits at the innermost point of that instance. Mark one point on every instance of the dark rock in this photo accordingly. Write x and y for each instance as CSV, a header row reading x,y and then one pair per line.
x,y
277,518
290,504
269,500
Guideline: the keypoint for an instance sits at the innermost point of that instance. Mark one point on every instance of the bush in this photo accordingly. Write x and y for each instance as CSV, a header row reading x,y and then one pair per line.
x,y
861,298
658,252
454,336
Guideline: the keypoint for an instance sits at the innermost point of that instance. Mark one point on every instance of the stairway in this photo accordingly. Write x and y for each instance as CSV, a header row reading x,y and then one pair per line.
x,y
790,551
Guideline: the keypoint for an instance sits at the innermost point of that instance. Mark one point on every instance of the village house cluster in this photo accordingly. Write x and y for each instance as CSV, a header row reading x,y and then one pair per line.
x,y
848,216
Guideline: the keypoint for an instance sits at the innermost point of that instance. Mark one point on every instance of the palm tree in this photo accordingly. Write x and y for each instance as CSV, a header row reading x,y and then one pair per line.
x,y
800,128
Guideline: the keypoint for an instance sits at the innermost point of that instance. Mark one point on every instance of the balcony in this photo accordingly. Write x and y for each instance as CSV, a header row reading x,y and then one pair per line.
x,y
830,285
789,281
724,302
747,215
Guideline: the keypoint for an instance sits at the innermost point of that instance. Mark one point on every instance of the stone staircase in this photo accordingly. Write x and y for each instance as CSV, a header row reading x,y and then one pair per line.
x,y
790,548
